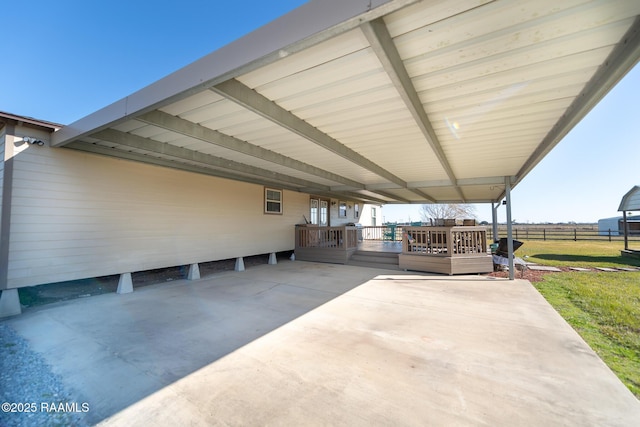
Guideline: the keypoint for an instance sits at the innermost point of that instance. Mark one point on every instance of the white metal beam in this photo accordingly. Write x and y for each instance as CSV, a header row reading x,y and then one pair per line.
x,y
259,104
489,180
174,164
382,44
138,142
194,130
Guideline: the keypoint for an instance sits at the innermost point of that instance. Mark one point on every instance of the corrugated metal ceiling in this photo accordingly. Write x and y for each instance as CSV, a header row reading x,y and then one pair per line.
x,y
407,102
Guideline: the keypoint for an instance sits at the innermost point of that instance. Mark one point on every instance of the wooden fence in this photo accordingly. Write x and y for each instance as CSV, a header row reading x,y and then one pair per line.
x,y
575,234
393,232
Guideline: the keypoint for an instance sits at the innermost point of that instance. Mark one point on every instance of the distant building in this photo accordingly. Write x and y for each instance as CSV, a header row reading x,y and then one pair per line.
x,y
614,225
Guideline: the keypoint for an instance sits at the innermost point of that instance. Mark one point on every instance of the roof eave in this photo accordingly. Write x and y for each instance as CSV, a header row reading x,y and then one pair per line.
x,y
621,60
305,26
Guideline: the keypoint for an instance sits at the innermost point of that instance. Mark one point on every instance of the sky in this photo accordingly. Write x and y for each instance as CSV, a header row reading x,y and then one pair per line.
x,y
71,58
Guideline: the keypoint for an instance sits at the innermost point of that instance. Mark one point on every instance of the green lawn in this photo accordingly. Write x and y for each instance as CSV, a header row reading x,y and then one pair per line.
x,y
603,307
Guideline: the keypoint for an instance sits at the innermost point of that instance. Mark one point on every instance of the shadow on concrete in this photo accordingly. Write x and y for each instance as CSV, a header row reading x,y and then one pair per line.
x,y
115,350
33,296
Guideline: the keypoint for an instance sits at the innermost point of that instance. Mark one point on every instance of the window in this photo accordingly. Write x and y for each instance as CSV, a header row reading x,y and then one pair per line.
x,y
343,210
272,201
324,209
314,211
373,217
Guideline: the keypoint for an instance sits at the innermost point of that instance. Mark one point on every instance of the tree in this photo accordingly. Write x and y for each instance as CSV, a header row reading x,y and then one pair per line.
x,y
447,211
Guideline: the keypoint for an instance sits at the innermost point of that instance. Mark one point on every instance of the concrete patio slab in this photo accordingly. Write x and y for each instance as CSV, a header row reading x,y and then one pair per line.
x,y
302,343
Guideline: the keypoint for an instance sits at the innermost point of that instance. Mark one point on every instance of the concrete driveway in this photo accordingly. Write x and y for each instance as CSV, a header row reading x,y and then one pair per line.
x,y
302,343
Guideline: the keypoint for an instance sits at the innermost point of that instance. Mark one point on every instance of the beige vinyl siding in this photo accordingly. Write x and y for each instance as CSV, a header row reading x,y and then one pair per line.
x,y
78,215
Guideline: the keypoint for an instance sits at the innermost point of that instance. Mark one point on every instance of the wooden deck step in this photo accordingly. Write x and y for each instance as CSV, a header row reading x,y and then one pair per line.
x,y
372,259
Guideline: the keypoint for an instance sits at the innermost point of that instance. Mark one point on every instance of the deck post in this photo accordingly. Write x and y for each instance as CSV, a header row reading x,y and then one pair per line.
x,y
626,230
9,303
125,284
194,272
507,182
272,258
239,264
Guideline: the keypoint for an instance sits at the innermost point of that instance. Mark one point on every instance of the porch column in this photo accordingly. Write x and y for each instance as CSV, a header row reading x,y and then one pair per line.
x,y
507,183
239,264
125,284
272,258
194,272
9,303
494,221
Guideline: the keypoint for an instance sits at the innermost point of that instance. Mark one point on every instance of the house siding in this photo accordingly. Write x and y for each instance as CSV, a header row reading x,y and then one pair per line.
x,y
77,215
366,217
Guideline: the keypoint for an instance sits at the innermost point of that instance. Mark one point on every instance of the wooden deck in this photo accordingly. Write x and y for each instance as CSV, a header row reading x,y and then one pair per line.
x,y
445,250
380,246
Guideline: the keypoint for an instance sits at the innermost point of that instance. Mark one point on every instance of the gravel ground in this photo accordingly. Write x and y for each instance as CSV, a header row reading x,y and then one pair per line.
x,y
30,394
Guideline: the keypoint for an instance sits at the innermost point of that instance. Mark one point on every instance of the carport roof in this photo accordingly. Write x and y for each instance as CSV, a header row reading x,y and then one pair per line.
x,y
387,101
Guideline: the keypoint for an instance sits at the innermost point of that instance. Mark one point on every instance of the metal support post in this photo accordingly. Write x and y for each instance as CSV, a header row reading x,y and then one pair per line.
x,y
507,182
494,221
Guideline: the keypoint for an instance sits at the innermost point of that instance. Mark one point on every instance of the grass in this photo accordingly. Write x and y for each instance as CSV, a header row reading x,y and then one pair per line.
x,y
588,254
603,307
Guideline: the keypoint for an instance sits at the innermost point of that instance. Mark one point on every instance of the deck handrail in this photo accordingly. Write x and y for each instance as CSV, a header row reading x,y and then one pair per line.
x,y
445,241
390,232
338,238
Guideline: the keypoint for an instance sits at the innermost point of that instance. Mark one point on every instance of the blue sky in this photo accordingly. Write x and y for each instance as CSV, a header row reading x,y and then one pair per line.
x,y
71,58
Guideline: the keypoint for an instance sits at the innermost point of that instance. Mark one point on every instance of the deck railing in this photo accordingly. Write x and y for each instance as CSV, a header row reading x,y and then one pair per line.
x,y
338,238
325,244
445,241
382,232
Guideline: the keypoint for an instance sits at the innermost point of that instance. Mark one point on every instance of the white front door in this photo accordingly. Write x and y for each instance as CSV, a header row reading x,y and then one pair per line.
x,y
319,212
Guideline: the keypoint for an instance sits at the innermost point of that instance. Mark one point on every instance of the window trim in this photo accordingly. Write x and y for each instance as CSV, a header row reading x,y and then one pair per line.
x,y
267,200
